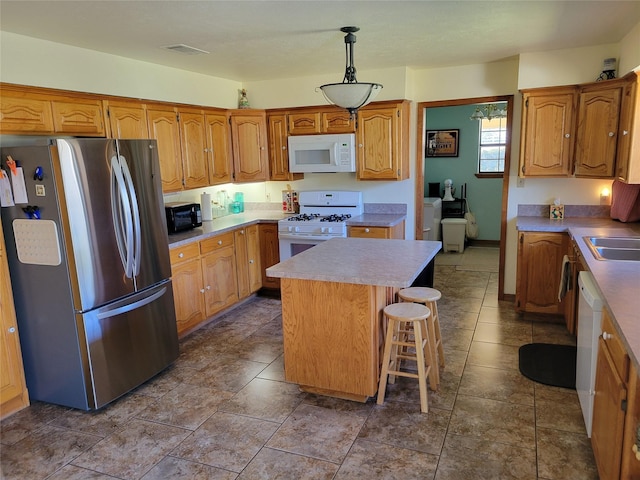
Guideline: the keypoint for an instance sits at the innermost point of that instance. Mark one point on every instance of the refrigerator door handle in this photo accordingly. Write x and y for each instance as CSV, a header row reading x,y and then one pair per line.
x,y
136,234
121,212
132,306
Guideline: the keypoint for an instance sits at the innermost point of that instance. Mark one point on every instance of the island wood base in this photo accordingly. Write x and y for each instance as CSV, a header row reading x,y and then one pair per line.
x,y
333,336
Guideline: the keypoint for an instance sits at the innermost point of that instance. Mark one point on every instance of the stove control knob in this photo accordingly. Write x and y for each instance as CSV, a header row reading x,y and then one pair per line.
x,y
329,230
297,229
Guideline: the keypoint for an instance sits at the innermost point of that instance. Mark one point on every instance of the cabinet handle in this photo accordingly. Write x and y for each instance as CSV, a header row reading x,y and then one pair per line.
x,y
611,134
180,255
202,290
366,230
284,148
12,329
250,261
566,135
241,232
208,287
625,132
219,242
606,336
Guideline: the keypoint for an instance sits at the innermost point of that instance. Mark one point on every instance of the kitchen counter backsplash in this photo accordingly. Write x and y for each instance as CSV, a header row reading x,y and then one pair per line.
x,y
598,211
386,208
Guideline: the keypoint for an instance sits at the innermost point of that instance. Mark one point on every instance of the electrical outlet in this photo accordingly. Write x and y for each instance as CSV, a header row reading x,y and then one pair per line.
x,y
268,195
520,183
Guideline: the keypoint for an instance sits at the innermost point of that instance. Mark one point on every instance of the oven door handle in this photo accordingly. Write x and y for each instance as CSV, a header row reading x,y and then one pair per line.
x,y
288,236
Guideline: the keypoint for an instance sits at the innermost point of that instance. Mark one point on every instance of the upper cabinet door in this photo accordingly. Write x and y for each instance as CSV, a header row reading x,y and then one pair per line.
x,y
597,131
628,156
382,151
218,148
127,119
78,117
24,115
548,130
163,126
306,123
250,154
194,150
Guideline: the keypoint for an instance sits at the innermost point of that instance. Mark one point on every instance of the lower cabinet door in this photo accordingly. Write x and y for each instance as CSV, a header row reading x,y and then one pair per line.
x,y
188,294
220,281
608,416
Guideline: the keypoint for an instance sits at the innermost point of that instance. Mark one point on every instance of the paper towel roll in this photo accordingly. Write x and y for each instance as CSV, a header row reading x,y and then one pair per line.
x,y
205,203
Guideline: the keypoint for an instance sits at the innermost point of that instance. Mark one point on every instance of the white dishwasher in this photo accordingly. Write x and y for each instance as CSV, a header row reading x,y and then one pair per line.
x,y
589,329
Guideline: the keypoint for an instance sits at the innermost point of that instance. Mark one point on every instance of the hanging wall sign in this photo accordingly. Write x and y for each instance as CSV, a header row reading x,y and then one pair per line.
x,y
442,143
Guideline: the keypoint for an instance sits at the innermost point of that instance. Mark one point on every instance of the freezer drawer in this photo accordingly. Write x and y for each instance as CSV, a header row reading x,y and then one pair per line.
x,y
128,342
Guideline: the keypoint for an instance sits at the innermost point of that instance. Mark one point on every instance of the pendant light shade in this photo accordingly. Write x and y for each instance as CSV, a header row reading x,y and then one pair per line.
x,y
350,94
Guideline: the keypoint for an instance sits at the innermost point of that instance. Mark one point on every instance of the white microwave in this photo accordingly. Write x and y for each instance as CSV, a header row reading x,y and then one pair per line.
x,y
322,153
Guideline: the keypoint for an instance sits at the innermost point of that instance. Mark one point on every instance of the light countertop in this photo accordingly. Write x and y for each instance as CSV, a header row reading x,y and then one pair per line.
x,y
618,281
216,226
365,261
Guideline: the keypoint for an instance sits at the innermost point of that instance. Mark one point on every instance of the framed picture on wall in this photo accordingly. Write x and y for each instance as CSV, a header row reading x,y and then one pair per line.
x,y
442,143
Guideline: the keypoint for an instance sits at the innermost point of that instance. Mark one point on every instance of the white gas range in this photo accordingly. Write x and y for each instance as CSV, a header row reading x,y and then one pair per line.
x,y
323,215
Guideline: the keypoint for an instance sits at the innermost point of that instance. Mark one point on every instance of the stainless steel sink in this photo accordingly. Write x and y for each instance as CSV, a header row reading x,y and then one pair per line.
x,y
614,248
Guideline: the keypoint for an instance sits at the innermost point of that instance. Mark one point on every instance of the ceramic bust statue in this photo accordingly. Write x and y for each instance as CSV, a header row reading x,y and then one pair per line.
x,y
244,102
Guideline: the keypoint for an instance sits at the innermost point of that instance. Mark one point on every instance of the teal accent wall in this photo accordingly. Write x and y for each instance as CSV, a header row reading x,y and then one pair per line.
x,y
484,194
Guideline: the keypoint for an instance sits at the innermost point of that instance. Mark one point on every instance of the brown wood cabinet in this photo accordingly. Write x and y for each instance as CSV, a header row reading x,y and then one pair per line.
x,y
382,146
219,272
163,126
211,275
250,145
32,110
218,138
610,401
314,120
577,264
548,131
597,129
249,274
193,148
397,231
188,286
21,115
13,390
269,252
628,157
539,265
278,149
78,117
126,119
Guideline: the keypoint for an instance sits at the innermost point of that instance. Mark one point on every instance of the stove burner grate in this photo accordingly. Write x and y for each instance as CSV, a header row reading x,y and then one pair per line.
x,y
336,217
304,217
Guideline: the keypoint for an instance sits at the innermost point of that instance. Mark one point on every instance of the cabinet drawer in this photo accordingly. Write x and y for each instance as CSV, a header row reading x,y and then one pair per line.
x,y
369,232
216,243
184,253
615,346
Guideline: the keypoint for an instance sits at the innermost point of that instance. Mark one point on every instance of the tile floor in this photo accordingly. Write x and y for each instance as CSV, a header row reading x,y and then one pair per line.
x,y
224,411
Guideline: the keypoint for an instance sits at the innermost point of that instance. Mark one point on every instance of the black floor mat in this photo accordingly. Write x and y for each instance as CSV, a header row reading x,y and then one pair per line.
x,y
549,364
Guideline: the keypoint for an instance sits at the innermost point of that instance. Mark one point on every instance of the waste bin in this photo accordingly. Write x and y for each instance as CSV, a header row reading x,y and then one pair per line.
x,y
453,233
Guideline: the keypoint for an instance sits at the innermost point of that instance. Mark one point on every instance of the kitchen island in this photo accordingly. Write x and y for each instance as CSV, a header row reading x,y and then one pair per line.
x,y
332,300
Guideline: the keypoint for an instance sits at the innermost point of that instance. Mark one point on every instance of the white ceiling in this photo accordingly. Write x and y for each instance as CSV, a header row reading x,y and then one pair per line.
x,y
259,40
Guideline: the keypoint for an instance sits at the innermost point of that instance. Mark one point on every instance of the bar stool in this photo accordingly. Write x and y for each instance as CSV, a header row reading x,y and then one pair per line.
x,y
406,320
429,298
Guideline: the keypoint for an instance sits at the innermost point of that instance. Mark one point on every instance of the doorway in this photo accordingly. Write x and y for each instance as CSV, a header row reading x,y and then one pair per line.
x,y
420,159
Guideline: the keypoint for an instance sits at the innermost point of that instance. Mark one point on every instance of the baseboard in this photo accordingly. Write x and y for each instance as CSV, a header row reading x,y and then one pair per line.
x,y
483,243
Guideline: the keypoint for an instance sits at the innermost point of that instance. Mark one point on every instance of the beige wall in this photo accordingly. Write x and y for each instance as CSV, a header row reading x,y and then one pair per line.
x,y
29,61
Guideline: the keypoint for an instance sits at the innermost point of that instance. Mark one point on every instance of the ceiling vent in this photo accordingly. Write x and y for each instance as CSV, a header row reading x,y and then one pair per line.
x,y
185,49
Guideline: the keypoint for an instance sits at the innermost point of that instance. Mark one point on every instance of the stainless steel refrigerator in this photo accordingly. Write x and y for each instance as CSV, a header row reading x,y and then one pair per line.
x,y
89,265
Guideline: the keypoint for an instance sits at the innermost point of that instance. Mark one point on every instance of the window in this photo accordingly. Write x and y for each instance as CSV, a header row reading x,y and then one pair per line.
x,y
493,141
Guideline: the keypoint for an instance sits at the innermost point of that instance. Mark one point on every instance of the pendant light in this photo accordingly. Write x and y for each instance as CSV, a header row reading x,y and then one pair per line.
x,y
350,94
